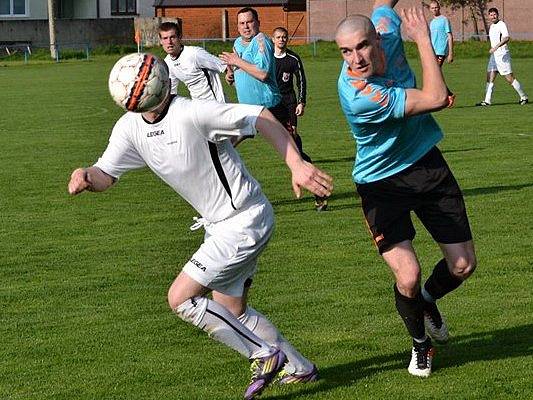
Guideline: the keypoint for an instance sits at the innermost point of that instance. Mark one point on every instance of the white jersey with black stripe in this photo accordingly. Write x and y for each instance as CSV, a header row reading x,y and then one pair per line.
x,y
199,71
188,148
497,32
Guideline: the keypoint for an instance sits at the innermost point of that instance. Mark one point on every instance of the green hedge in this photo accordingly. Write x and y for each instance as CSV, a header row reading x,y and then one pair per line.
x,y
319,49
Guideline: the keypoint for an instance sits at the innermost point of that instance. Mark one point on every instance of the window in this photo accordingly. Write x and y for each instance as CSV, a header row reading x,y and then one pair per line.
x,y
13,7
123,7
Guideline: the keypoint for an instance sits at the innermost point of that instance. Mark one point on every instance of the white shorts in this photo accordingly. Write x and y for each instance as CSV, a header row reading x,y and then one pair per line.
x,y
228,256
500,63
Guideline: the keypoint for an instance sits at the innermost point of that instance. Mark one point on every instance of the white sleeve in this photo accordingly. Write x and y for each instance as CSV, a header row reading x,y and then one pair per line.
x,y
219,121
204,59
503,30
120,155
174,82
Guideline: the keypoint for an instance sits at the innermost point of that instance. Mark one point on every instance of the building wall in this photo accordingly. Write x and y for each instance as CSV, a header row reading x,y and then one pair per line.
x,y
37,9
206,22
69,32
324,15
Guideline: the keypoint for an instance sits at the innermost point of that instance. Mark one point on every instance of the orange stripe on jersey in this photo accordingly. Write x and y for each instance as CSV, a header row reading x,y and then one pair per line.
x,y
359,84
353,74
140,83
367,91
383,25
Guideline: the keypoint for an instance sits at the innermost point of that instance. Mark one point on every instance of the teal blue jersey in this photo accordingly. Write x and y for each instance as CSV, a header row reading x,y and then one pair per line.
x,y
440,27
260,51
387,141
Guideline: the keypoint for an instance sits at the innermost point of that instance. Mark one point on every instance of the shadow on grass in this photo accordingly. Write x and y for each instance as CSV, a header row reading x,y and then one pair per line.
x,y
307,203
492,105
334,160
494,189
461,150
483,346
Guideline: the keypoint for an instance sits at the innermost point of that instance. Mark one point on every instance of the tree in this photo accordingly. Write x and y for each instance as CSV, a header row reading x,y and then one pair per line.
x,y
476,8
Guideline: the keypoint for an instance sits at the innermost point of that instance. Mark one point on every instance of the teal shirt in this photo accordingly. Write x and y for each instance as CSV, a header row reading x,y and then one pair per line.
x,y
440,27
260,51
387,141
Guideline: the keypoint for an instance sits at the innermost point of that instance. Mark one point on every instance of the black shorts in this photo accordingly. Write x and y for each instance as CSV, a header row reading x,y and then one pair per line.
x,y
282,115
440,59
289,102
429,189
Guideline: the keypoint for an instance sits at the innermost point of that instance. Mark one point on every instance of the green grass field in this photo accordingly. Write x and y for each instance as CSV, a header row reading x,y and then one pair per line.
x,y
83,280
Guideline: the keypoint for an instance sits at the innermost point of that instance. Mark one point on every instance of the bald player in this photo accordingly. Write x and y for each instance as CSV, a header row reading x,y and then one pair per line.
x,y
399,169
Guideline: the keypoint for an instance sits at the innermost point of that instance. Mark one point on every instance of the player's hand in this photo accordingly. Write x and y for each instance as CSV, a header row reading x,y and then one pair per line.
x,y
415,24
449,58
231,59
299,109
313,179
78,181
492,50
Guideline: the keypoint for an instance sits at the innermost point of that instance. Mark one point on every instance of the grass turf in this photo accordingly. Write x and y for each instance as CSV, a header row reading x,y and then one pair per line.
x,y
84,279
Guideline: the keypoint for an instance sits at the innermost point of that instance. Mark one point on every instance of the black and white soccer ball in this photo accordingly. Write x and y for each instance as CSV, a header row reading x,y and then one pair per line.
x,y
139,82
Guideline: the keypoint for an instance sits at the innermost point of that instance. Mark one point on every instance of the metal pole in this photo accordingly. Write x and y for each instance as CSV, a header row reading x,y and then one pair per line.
x,y
52,29
308,11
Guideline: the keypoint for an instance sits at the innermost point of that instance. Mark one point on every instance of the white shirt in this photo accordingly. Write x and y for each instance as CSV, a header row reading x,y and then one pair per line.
x,y
199,71
188,149
497,32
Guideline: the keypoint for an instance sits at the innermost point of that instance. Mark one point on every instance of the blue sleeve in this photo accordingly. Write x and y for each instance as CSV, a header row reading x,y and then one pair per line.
x,y
386,21
263,52
447,26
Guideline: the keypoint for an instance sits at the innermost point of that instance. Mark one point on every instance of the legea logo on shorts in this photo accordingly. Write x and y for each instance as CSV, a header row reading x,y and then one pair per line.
x,y
197,263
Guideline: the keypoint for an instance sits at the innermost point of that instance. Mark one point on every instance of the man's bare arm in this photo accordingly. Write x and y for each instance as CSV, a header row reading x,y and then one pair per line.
x,y
92,179
450,48
433,96
234,60
390,3
304,174
504,41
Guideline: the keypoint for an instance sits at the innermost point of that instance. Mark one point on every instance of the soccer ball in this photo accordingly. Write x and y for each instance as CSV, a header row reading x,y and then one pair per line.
x,y
139,82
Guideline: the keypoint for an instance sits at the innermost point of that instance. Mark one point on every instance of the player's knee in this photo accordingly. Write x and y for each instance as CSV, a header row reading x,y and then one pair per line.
x,y
409,286
192,310
463,267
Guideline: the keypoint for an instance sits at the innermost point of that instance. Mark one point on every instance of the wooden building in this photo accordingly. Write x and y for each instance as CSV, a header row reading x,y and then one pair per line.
x,y
218,18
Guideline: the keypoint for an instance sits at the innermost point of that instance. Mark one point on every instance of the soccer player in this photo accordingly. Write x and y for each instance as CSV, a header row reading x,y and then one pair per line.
x,y
289,67
500,60
185,143
192,65
398,167
441,39
251,67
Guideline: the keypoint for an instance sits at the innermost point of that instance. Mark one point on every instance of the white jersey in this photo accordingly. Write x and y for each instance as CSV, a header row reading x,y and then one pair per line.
x,y
497,32
199,71
188,148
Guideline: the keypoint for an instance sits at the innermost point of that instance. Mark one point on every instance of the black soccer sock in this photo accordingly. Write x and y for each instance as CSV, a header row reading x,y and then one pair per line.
x,y
411,311
441,281
299,145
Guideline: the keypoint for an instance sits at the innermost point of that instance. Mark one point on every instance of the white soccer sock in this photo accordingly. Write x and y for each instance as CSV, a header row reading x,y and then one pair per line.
x,y
516,85
223,326
262,327
421,340
488,92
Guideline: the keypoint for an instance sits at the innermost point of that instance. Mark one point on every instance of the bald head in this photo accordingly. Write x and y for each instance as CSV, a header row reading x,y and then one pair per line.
x,y
356,23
